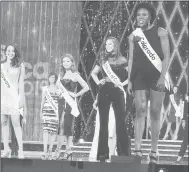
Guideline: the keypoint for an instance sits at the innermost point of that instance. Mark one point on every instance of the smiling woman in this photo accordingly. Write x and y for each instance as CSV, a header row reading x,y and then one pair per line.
x,y
148,64
68,79
12,98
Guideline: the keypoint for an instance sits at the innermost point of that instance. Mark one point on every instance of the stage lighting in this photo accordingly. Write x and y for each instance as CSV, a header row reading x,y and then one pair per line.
x,y
81,140
162,170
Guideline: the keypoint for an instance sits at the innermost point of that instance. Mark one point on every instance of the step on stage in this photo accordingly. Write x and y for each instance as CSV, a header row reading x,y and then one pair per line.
x,y
121,164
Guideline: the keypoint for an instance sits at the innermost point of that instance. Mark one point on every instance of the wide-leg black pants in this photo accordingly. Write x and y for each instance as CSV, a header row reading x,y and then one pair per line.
x,y
108,94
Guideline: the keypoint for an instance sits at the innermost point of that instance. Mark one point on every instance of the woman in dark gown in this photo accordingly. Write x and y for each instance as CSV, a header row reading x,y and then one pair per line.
x,y
110,92
69,77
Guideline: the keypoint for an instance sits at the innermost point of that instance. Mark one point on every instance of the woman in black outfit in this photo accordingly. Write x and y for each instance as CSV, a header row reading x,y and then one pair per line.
x,y
184,144
111,93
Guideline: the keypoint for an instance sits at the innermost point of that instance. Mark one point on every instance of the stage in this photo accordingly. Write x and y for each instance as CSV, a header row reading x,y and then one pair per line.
x,y
33,165
168,151
44,31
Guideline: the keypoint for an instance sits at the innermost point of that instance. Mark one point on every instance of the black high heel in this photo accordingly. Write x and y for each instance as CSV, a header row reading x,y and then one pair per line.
x,y
70,155
138,153
67,156
153,158
103,158
57,153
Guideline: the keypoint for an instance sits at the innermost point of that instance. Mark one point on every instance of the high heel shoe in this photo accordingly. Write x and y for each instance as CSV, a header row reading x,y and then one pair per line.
x,y
103,158
138,153
50,157
20,154
6,153
153,157
44,155
68,156
57,154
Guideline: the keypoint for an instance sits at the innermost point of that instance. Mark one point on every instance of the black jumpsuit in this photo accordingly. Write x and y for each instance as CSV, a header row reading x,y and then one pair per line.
x,y
108,94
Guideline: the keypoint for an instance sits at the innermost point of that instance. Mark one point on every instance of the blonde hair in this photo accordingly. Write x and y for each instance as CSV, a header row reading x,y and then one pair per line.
x,y
73,66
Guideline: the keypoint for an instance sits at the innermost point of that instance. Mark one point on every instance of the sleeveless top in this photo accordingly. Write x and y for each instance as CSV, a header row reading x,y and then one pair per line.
x,y
141,64
47,107
9,100
118,69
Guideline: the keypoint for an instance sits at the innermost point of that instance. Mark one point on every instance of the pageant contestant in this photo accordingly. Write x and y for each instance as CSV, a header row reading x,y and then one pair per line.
x,y
111,133
149,55
12,98
185,126
69,77
113,65
175,113
49,115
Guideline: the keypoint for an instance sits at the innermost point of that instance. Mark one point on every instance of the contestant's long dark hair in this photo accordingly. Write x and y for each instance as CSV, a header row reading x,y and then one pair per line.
x,y
116,52
16,61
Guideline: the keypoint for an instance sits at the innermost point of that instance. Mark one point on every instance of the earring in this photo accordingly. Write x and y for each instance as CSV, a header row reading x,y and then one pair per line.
x,y
148,24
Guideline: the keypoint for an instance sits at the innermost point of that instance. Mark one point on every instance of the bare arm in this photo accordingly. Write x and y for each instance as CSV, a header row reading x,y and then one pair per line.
x,y
166,50
131,48
94,74
42,101
21,87
84,85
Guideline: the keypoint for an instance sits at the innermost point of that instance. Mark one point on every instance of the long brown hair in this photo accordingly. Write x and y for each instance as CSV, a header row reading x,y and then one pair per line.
x,y
73,66
116,52
16,61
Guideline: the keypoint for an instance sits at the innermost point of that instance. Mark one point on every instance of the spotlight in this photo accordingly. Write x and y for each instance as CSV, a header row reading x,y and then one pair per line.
x,y
81,140
163,170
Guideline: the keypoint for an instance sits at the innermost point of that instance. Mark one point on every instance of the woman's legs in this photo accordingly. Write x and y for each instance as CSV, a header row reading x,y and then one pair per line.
x,y
104,106
69,143
61,132
156,101
167,130
178,122
141,112
18,132
45,140
5,133
184,144
51,141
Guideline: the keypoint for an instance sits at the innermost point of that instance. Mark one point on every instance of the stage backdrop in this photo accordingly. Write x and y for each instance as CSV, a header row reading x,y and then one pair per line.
x,y
101,19
43,31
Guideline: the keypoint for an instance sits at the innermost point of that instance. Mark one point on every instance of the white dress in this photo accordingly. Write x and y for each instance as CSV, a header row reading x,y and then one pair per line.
x,y
9,96
111,129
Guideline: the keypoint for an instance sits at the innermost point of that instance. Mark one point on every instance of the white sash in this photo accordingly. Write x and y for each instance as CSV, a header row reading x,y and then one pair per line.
x,y
50,100
73,104
177,108
151,54
112,76
11,89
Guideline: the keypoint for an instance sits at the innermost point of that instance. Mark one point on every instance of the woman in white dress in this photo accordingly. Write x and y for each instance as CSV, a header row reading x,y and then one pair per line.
x,y
12,98
111,135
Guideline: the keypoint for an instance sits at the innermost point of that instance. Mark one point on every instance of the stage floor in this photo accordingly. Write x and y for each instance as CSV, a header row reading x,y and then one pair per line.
x,y
168,151
37,155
